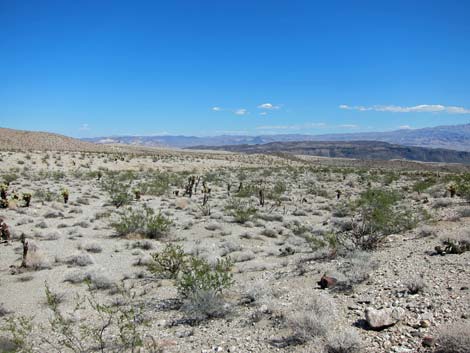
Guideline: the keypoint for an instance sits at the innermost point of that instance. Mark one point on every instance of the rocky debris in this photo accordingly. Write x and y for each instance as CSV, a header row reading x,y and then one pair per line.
x,y
383,318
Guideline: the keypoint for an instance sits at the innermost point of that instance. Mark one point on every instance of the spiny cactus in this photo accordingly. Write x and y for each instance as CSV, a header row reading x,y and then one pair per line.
x,y
27,199
3,196
25,249
3,191
188,190
338,194
261,197
65,194
4,231
452,190
206,191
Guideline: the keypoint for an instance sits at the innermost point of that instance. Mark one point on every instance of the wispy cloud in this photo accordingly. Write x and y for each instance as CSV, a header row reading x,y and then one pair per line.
x,y
348,126
269,106
422,108
84,127
405,127
241,111
292,127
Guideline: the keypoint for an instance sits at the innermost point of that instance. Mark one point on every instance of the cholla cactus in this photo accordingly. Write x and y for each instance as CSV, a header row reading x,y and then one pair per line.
x,y
3,191
338,194
26,198
261,197
25,250
452,190
4,231
65,195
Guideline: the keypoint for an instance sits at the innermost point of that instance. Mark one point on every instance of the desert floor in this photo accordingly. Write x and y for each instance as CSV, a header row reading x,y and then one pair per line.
x,y
278,252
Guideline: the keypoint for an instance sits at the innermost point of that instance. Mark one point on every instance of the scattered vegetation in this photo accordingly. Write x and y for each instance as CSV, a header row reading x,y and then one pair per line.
x,y
142,221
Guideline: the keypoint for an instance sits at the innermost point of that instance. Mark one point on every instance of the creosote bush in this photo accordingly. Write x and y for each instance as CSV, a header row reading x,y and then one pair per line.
x,y
142,221
241,211
119,194
192,273
378,215
170,262
110,328
200,275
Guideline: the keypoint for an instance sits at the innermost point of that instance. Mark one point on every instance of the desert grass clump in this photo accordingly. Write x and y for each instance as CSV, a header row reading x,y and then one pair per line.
x,y
143,221
453,338
80,259
204,304
92,246
344,341
415,285
241,211
357,267
313,318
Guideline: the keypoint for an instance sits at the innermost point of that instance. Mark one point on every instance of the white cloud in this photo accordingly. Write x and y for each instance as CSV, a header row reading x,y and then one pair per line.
x,y
216,109
348,126
292,127
405,127
268,106
422,108
241,111
263,113
84,127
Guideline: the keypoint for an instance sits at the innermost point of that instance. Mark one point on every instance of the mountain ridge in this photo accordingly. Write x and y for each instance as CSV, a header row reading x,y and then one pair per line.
x,y
363,150
454,137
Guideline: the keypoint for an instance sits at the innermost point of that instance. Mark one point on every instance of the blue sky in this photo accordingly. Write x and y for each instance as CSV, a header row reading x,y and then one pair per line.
x,y
96,68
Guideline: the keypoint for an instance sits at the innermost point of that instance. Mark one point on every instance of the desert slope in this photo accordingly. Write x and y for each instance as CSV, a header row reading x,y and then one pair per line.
x,y
11,139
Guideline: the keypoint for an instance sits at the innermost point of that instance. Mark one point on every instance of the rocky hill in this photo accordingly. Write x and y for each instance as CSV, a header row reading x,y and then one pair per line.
x,y
368,150
11,139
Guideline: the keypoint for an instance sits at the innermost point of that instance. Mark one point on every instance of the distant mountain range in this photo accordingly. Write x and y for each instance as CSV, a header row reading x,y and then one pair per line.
x,y
455,137
366,150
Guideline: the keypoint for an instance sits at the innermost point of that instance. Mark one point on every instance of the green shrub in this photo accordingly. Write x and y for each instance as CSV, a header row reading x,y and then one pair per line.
x,y
9,178
198,275
422,185
118,192
158,184
378,216
108,328
169,262
142,221
318,191
241,211
463,186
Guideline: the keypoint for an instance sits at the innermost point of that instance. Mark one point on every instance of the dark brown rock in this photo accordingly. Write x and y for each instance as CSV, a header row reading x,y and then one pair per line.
x,y
327,282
